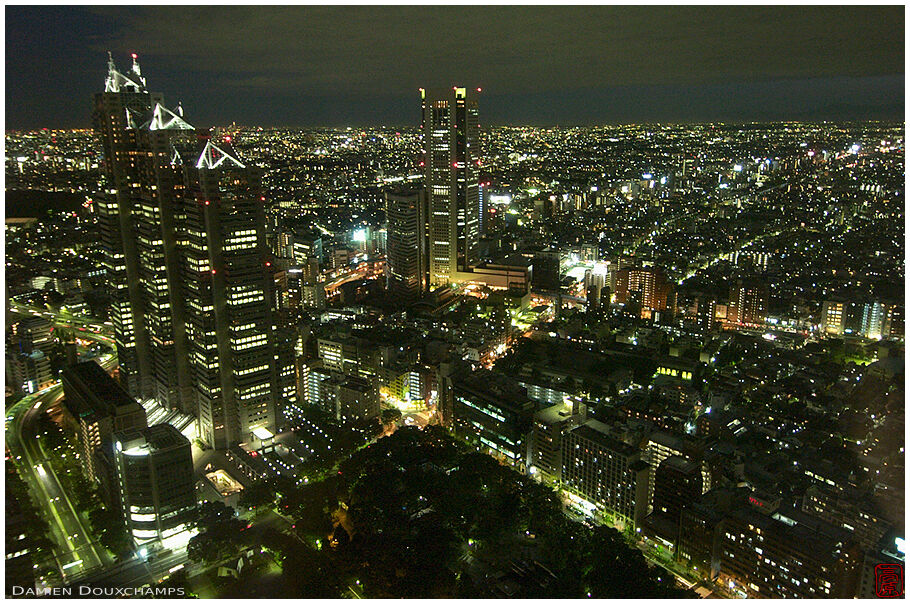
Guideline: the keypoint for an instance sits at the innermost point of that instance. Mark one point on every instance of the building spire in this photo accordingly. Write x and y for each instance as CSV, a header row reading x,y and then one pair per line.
x,y
111,84
116,81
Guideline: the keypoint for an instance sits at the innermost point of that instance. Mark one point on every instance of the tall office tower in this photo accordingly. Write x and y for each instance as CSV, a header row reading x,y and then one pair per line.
x,y
138,219
407,247
157,483
183,227
748,302
230,322
450,134
124,96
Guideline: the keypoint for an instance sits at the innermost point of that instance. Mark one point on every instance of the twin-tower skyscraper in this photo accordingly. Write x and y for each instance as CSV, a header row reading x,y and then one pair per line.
x,y
452,165
434,231
194,309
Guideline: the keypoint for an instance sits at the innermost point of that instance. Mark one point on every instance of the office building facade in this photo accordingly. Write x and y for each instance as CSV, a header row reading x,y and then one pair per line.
x,y
406,255
450,130
157,483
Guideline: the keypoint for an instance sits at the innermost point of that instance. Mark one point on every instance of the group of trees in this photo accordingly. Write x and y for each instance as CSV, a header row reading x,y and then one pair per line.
x,y
336,441
220,534
408,516
36,528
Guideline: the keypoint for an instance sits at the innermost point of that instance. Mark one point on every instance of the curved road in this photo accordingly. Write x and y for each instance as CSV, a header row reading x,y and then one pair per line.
x,y
88,328
76,551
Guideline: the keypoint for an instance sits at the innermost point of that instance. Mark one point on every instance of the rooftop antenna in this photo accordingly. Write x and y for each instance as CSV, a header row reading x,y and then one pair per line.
x,y
111,84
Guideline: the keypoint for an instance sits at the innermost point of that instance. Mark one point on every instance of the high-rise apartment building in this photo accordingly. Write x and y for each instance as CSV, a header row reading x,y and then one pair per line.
x,y
183,231
605,472
873,319
834,315
646,286
450,134
748,302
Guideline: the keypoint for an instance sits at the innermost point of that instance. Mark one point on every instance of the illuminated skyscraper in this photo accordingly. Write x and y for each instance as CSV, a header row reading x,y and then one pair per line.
x,y
450,134
124,97
183,231
407,246
230,301
138,219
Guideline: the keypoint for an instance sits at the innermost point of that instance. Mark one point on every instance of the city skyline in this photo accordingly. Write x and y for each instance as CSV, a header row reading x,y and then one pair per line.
x,y
454,359
537,65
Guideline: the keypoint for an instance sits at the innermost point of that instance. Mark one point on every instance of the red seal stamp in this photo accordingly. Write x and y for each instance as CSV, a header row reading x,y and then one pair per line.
x,y
889,580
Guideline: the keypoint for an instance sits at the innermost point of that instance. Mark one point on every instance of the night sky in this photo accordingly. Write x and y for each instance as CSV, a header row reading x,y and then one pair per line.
x,y
337,66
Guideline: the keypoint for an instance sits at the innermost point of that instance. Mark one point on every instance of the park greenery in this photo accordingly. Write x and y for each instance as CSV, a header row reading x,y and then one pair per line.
x,y
106,523
419,514
24,515
220,534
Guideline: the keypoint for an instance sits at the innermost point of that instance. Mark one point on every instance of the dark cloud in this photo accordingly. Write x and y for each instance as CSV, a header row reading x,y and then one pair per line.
x,y
262,63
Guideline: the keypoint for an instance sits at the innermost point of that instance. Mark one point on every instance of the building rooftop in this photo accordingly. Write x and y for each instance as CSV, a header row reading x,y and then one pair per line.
x,y
554,414
160,437
104,394
599,432
492,385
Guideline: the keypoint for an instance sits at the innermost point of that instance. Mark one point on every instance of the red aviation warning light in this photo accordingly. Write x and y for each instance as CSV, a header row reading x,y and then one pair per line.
x,y
134,55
